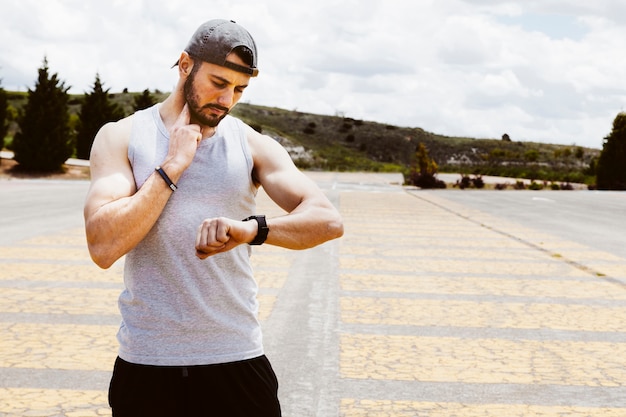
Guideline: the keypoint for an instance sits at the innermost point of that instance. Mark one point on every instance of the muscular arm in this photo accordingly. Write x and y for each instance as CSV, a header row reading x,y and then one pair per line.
x,y
311,218
117,215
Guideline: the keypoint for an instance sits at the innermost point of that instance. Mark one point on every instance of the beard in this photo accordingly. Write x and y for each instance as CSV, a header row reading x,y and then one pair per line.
x,y
196,109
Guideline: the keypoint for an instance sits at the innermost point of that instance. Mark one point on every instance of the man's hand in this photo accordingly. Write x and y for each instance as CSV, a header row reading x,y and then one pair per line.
x,y
184,141
221,234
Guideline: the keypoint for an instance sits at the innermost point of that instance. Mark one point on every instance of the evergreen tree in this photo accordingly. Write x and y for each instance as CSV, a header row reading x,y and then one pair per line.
x,y
611,171
144,101
95,111
4,107
43,141
423,172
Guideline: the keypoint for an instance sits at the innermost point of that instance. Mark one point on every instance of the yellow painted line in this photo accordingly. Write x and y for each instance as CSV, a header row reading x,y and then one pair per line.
x,y
385,408
431,284
266,306
51,272
44,253
488,361
510,315
496,267
59,300
51,402
58,346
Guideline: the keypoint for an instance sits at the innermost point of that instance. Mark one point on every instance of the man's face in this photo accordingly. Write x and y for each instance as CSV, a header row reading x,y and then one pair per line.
x,y
211,91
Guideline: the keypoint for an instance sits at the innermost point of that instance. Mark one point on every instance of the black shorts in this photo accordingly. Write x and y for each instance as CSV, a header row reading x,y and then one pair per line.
x,y
238,389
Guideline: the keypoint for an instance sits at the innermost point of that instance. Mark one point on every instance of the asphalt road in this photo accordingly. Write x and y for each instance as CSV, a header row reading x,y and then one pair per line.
x,y
596,218
437,303
34,207
592,218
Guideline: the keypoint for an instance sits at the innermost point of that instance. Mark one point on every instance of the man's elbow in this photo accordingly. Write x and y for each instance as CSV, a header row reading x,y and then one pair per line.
x,y
335,227
101,255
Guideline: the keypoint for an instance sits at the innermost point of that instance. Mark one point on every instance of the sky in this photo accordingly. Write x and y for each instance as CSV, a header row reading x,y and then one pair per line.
x,y
551,71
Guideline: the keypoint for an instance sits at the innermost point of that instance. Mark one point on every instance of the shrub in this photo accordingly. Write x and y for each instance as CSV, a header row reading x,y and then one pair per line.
x,y
426,181
478,182
464,182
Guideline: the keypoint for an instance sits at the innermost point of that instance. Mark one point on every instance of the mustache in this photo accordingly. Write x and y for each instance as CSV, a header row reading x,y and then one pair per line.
x,y
216,107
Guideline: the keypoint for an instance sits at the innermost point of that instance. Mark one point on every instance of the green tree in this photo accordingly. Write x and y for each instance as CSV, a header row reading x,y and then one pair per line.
x,y
144,100
43,141
425,164
96,110
4,110
610,171
424,170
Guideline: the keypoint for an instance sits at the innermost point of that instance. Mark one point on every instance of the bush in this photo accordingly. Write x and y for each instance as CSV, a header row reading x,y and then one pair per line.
x,y
426,181
464,182
478,182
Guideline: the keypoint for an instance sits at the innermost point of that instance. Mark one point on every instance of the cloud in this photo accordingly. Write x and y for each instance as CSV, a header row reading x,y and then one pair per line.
x,y
538,70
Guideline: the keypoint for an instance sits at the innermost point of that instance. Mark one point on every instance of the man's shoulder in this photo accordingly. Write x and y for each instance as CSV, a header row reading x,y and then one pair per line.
x,y
121,125
116,133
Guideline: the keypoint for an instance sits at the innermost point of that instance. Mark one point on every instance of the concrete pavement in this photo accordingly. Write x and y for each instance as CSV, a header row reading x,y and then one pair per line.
x,y
426,307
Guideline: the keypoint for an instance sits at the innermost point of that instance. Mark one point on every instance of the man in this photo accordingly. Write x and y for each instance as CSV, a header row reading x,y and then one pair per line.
x,y
173,189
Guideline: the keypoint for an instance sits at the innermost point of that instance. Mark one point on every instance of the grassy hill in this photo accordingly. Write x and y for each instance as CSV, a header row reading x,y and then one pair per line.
x,y
339,143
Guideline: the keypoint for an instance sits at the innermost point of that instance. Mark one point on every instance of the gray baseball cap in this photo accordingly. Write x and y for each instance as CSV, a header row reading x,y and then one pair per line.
x,y
215,39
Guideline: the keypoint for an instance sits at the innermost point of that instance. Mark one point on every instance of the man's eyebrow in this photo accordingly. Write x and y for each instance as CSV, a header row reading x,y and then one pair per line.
x,y
225,81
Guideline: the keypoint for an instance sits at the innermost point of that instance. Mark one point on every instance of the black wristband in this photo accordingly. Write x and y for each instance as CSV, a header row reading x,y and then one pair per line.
x,y
167,179
262,230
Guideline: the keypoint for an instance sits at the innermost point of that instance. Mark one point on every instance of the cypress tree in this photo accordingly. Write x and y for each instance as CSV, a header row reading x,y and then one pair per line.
x,y
611,171
97,109
43,141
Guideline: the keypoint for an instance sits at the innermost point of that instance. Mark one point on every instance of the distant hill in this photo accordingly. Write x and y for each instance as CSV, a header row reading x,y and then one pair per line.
x,y
342,143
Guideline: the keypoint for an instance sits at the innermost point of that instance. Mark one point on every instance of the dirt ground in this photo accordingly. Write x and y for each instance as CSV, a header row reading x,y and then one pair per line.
x,y
9,169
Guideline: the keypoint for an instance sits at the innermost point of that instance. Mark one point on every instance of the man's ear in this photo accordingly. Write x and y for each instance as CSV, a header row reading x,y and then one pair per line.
x,y
185,64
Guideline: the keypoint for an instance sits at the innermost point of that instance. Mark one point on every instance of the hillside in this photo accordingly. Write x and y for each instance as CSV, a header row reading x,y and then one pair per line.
x,y
340,143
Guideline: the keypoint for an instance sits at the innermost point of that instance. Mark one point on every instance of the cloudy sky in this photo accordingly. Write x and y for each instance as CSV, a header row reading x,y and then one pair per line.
x,y
539,70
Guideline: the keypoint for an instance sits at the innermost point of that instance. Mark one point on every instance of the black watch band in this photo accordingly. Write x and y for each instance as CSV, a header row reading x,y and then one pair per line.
x,y
262,230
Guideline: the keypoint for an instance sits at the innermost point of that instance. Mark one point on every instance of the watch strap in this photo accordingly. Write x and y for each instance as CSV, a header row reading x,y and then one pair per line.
x,y
262,230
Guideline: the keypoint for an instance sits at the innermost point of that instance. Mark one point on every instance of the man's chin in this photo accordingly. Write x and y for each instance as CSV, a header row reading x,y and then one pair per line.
x,y
211,121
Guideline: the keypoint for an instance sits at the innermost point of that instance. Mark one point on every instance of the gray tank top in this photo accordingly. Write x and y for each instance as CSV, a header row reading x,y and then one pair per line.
x,y
178,310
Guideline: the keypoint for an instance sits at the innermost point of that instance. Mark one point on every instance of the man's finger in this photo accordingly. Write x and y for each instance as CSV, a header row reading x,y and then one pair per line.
x,y
184,117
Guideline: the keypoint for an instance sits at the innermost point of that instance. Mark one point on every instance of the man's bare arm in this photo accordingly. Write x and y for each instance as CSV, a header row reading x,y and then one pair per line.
x,y
311,218
117,216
